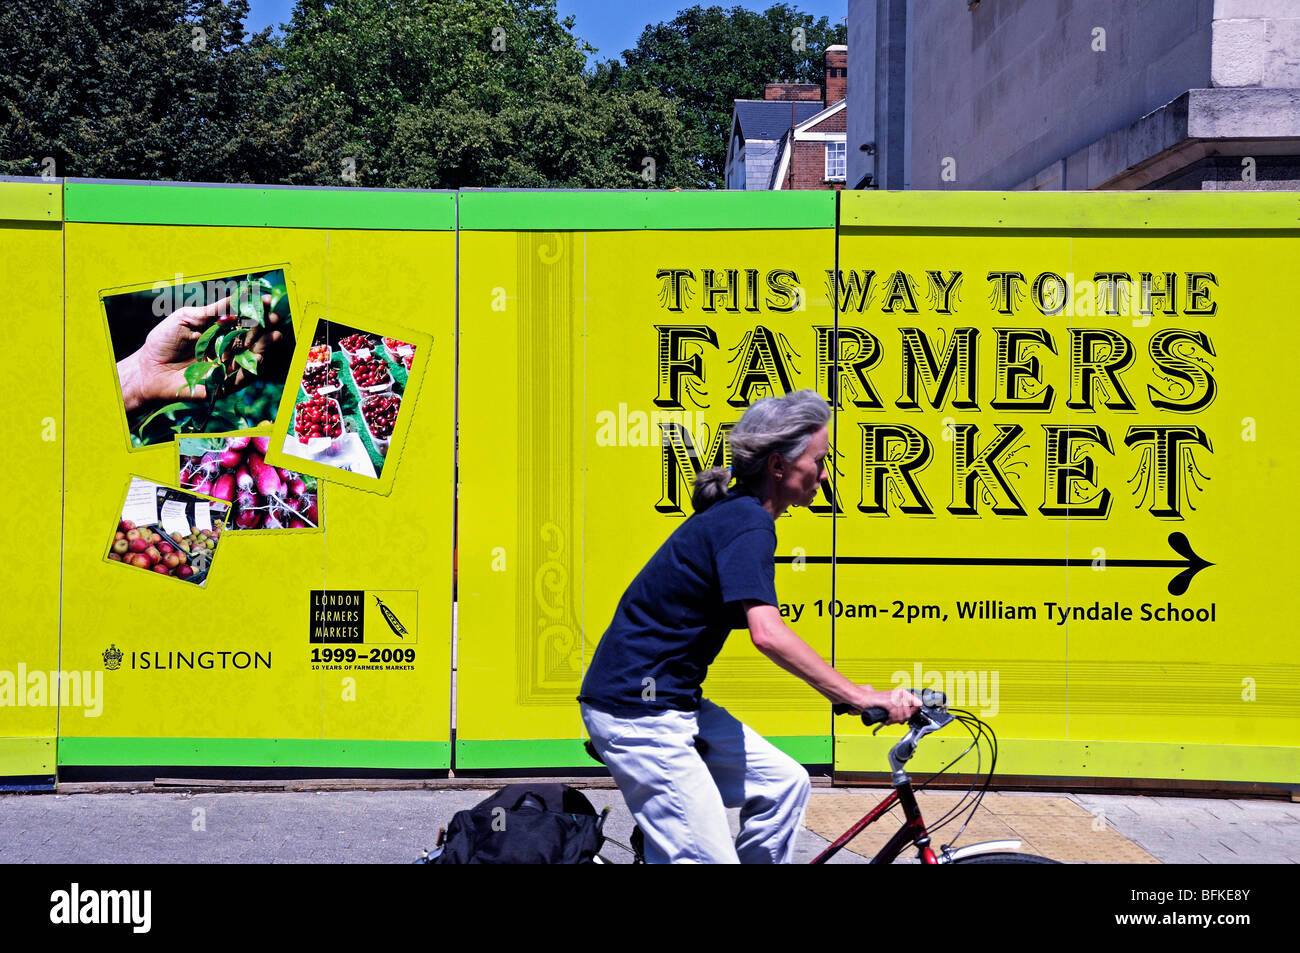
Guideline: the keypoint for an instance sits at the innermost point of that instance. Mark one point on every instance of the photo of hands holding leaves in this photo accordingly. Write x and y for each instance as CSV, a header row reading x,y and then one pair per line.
x,y
201,356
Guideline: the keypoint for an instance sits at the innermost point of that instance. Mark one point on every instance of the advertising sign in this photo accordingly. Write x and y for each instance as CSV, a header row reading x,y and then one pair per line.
x,y
31,265
262,433
608,341
314,627
1064,467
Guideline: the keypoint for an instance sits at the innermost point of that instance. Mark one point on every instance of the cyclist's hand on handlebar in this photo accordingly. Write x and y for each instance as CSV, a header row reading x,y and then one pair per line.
x,y
899,703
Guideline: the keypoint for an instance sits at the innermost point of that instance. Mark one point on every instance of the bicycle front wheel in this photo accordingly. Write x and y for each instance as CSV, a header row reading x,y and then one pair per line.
x,y
1005,857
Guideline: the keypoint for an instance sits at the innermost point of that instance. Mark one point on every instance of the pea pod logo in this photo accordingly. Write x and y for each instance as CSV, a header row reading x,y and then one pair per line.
x,y
390,617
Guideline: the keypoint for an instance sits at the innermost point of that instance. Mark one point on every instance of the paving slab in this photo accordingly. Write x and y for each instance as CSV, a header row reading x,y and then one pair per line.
x,y
394,826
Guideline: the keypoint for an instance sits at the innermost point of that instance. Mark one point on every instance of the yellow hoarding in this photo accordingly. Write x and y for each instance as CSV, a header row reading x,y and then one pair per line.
x,y
31,266
1065,470
1059,490
607,343
317,631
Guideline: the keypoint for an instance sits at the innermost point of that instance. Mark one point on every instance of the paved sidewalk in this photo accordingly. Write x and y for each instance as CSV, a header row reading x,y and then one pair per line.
x,y
392,826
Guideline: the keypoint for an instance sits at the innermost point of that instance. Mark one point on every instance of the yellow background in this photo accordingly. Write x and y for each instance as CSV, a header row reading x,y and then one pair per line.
x,y
558,328
257,596
31,266
1148,699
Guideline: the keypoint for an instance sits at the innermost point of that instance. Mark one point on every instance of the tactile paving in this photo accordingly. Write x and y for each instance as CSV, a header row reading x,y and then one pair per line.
x,y
1053,827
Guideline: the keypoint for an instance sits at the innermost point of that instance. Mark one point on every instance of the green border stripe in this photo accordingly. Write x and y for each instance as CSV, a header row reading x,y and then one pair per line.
x,y
659,210
254,752
1089,759
525,753
33,200
569,752
809,749
1065,211
152,203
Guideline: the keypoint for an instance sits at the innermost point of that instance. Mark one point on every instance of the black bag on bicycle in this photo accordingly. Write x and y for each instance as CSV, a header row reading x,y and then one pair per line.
x,y
528,823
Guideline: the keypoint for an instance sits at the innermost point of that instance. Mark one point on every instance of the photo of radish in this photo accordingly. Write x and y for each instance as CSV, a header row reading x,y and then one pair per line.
x,y
261,496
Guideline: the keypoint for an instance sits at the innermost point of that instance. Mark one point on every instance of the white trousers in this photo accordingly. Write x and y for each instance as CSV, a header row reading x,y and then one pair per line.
x,y
678,795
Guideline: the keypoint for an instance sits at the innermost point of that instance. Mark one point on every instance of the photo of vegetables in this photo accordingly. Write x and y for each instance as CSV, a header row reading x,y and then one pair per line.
x,y
201,355
349,398
233,468
167,532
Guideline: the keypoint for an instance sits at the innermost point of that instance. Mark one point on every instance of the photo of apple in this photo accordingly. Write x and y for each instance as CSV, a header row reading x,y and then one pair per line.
x,y
160,545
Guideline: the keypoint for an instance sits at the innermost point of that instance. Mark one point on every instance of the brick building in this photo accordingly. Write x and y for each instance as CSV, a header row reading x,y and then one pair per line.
x,y
792,138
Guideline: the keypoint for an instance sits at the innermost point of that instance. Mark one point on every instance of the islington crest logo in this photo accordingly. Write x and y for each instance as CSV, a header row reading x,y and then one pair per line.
x,y
112,658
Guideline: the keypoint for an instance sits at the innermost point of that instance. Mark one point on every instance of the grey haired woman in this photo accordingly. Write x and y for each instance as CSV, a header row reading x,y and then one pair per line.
x,y
679,760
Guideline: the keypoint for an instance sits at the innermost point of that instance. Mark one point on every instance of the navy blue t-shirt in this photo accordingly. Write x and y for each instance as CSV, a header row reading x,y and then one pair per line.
x,y
677,612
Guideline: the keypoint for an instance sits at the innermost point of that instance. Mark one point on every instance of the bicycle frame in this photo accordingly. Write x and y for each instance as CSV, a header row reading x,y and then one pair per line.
x,y
913,831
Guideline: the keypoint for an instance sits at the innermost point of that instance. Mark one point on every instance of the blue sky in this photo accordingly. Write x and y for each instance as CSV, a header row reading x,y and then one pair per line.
x,y
610,27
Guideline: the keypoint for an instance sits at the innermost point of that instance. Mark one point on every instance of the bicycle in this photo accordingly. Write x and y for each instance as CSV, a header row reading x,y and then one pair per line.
x,y
930,717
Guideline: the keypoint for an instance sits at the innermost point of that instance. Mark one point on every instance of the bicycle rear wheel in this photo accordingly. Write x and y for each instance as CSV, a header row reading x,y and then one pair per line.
x,y
1005,858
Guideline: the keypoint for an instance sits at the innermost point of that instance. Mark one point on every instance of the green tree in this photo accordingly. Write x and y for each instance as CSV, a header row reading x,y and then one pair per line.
x,y
704,58
450,93
150,89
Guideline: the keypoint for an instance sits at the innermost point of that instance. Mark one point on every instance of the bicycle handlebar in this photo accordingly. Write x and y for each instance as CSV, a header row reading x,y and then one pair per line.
x,y
876,716
870,716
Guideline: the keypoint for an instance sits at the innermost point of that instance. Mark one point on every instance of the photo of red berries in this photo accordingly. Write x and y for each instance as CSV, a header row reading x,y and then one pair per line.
x,y
349,398
168,532
380,414
317,418
320,380
261,496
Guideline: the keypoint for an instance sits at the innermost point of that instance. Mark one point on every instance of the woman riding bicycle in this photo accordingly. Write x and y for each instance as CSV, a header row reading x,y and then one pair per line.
x,y
641,699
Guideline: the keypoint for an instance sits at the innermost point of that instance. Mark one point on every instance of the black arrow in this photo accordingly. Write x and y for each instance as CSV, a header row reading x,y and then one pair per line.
x,y
1190,564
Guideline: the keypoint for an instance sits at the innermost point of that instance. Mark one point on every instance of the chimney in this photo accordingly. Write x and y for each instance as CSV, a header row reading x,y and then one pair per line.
x,y
797,91
837,73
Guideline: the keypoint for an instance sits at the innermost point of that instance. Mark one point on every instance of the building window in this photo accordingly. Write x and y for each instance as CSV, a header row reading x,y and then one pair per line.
x,y
836,158
738,175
